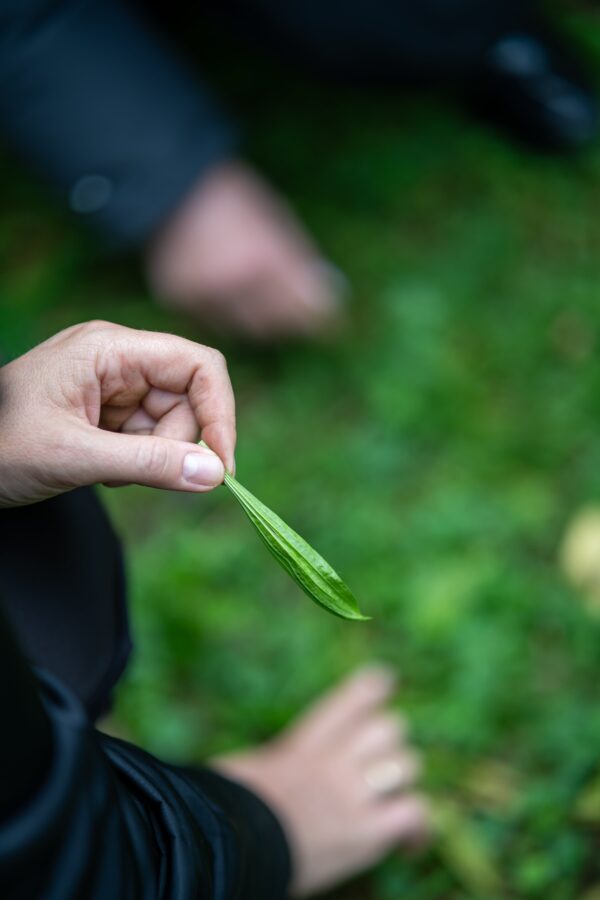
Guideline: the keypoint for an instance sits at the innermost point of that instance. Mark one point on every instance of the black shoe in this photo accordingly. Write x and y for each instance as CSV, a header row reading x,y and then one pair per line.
x,y
529,85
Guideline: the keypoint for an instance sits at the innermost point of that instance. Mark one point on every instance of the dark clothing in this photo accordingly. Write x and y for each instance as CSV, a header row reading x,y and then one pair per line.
x,y
392,41
96,818
83,815
62,585
99,103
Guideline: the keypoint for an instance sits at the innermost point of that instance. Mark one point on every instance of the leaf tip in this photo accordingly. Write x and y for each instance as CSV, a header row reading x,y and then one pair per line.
x,y
357,617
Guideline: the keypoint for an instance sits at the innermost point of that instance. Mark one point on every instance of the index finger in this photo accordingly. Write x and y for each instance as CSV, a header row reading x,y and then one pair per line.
x,y
211,397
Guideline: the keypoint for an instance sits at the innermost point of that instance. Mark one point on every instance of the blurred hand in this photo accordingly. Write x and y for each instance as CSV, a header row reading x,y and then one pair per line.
x,y
342,779
235,256
102,403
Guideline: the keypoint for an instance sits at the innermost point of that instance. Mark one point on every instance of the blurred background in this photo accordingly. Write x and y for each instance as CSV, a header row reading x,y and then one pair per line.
x,y
443,453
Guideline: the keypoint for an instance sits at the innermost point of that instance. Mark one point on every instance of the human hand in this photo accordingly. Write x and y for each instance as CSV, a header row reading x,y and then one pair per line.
x,y
342,779
103,403
234,255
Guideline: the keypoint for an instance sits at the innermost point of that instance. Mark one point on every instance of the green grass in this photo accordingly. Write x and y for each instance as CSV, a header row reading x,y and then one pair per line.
x,y
434,455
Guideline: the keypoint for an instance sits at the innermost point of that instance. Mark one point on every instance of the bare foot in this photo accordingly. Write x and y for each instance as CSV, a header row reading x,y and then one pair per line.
x,y
234,255
341,779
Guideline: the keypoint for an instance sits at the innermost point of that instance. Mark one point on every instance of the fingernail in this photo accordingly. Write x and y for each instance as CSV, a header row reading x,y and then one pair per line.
x,y
203,468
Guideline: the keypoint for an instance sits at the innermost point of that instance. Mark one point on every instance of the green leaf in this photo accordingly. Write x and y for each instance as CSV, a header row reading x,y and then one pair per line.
x,y
302,563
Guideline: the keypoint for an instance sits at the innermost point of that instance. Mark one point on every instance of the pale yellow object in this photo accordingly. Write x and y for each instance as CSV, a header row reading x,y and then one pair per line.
x,y
579,555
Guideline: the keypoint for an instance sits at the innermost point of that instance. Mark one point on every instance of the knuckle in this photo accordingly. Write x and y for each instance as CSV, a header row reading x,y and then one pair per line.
x,y
95,326
216,358
153,459
96,333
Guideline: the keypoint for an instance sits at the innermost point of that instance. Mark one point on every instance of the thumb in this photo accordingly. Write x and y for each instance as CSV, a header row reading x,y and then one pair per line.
x,y
153,461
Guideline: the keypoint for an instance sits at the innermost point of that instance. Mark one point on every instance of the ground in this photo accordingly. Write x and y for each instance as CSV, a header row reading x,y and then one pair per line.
x,y
435,453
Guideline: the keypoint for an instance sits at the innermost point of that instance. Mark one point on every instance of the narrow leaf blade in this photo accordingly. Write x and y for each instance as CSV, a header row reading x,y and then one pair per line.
x,y
306,567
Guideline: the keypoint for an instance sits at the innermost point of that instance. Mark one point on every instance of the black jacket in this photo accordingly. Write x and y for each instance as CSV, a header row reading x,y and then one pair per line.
x,y
100,104
83,815
87,817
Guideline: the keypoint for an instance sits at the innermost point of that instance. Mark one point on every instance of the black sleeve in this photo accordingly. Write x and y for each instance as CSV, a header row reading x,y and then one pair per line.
x,y
26,746
102,106
83,815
